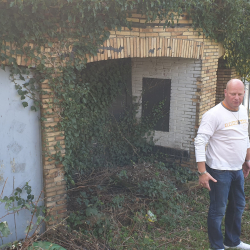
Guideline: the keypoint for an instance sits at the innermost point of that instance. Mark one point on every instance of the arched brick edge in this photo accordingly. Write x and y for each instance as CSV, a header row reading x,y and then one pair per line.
x,y
190,44
124,47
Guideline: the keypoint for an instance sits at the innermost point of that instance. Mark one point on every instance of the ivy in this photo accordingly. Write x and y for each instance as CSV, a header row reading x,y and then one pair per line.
x,y
237,44
15,203
94,135
54,36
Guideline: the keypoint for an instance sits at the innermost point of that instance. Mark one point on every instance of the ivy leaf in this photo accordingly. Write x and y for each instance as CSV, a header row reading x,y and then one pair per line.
x,y
25,104
12,4
18,87
19,190
5,198
29,228
39,219
4,229
50,44
33,108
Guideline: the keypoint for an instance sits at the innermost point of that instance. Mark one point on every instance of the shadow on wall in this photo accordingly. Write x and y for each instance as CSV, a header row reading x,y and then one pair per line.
x,y
172,154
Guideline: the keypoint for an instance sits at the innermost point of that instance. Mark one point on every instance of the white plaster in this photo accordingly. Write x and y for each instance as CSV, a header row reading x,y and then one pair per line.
x,y
20,151
183,74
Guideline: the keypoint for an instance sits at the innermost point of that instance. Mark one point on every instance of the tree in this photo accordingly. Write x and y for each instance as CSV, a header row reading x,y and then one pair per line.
x,y
237,44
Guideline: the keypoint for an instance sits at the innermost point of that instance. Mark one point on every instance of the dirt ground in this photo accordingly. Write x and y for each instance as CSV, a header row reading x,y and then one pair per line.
x,y
106,184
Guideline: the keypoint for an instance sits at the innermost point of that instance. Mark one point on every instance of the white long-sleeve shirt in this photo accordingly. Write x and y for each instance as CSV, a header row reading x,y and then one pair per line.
x,y
226,135
200,143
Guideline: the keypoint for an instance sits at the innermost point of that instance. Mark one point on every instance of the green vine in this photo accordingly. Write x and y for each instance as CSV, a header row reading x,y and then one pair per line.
x,y
53,37
102,138
15,203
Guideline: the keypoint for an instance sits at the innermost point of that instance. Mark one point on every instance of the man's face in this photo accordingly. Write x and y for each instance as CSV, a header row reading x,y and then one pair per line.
x,y
234,94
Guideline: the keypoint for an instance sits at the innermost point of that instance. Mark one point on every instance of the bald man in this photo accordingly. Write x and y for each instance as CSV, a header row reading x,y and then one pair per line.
x,y
224,164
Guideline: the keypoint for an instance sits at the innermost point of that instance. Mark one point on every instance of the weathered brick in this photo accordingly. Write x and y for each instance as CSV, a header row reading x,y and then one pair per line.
x,y
51,204
61,202
60,138
185,115
50,194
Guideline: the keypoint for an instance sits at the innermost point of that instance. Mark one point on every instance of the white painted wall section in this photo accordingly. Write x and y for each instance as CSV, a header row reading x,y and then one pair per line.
x,y
20,151
183,74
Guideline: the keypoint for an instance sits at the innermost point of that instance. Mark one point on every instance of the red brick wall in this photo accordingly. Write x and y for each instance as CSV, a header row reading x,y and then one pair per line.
x,y
224,74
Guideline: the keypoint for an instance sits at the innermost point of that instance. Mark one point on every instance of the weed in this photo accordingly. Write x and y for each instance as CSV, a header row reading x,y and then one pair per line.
x,y
14,204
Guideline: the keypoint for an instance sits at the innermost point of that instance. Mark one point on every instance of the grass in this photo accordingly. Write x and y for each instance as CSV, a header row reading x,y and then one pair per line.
x,y
108,211
182,225
191,233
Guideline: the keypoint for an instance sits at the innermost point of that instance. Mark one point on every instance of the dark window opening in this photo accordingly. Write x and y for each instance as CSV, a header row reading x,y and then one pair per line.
x,y
156,102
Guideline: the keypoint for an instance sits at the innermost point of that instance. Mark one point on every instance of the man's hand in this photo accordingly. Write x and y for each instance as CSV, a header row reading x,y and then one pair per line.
x,y
246,168
204,180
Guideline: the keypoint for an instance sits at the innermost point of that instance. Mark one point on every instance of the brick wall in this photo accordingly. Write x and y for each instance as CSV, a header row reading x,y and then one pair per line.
x,y
207,84
196,89
54,183
224,74
183,74
153,40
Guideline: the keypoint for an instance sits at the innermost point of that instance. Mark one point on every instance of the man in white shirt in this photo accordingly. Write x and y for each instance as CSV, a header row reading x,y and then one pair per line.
x,y
224,164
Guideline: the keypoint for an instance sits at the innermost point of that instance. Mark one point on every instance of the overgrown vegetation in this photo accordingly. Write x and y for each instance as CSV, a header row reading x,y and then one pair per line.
x,y
238,43
105,137
55,36
116,217
106,199
22,199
